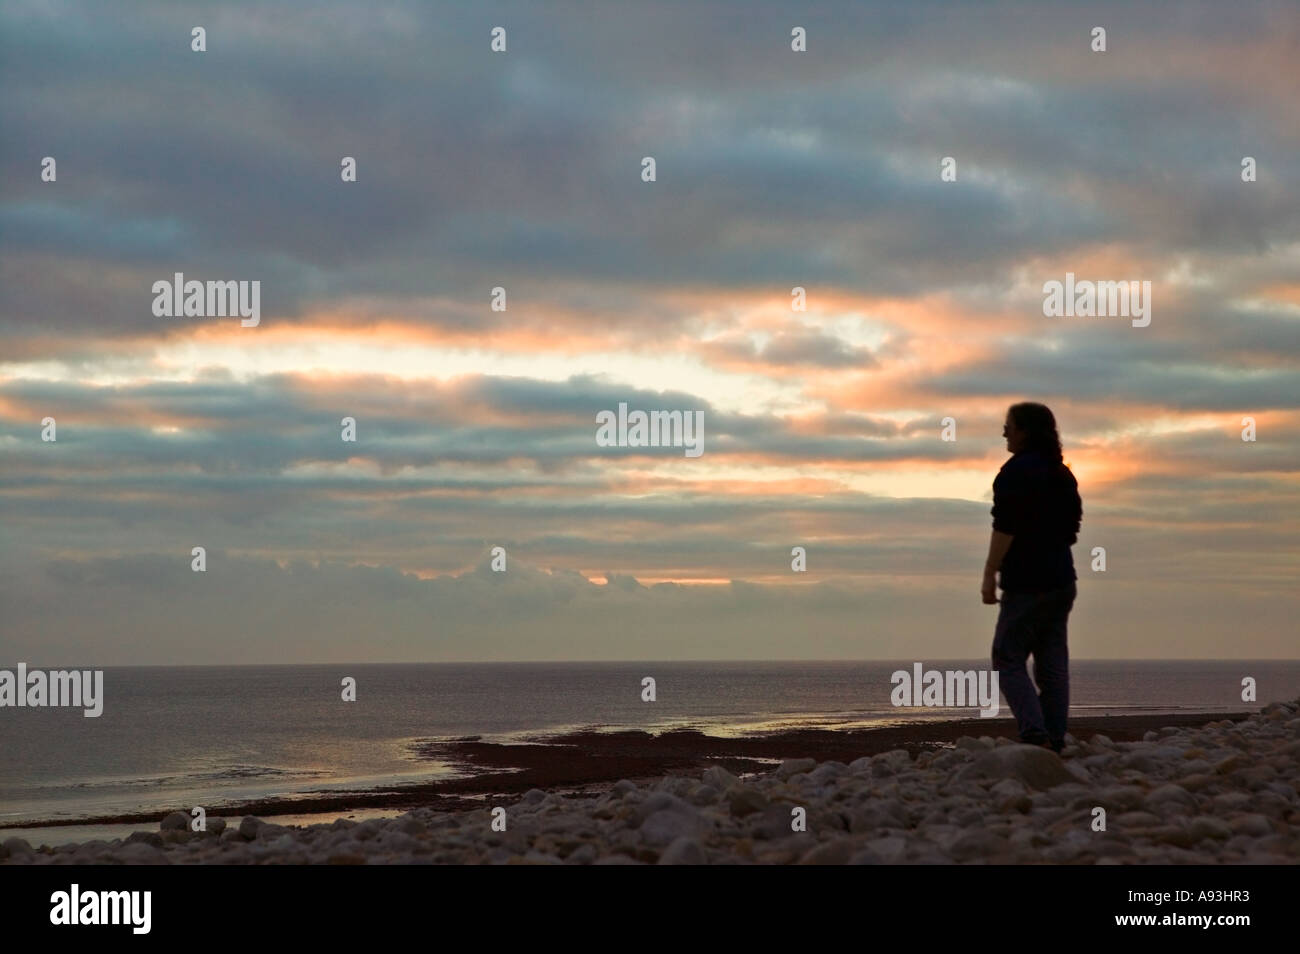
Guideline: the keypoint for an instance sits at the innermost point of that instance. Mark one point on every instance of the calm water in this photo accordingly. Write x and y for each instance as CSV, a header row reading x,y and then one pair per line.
x,y
212,736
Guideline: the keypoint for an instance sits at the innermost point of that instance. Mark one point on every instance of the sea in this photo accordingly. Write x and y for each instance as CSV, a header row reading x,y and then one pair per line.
x,y
220,736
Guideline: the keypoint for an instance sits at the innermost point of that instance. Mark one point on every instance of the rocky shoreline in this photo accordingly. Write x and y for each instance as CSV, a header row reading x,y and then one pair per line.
x,y
588,761
1225,792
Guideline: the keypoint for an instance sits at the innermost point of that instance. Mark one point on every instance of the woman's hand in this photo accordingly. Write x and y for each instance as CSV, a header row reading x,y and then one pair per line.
x,y
999,544
989,591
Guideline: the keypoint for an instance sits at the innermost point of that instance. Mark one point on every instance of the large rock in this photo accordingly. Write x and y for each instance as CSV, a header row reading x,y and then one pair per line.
x,y
794,766
1207,827
877,813
667,825
1037,767
663,801
1008,788
1144,762
1254,825
719,778
410,824
583,855
836,851
881,851
15,846
141,853
150,838
978,844
1015,805
1231,764
683,851
1081,774
281,845
249,825
943,761
888,764
675,784
773,823
746,801
703,795
1232,801
898,758
176,821
827,772
1099,763
1196,783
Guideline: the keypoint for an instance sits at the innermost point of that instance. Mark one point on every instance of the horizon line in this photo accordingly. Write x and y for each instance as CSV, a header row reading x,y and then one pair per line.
x,y
625,662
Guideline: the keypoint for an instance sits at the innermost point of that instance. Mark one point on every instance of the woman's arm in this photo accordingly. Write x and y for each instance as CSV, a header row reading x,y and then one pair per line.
x,y
999,544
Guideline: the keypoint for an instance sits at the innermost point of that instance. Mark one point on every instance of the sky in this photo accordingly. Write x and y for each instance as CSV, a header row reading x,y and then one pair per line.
x,y
476,427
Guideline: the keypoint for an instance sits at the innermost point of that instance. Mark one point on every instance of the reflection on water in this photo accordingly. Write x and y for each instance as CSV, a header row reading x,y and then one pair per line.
x,y
76,834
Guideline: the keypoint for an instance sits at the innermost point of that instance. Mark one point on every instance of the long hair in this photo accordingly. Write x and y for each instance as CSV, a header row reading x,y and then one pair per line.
x,y
1039,427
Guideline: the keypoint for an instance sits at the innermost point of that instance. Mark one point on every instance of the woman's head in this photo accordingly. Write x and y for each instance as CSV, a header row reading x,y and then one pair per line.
x,y
1031,427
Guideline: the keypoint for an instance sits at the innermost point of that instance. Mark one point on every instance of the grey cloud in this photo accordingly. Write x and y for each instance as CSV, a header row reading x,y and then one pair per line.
x,y
234,613
530,167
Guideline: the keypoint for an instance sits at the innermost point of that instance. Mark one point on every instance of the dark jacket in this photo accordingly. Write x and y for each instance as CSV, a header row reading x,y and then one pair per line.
x,y
1036,500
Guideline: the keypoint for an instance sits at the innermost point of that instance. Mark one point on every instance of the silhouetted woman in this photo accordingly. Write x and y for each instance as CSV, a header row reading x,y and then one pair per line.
x,y
1036,517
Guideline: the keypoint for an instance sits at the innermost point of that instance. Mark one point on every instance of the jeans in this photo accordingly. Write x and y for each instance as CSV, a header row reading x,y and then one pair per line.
x,y
1033,624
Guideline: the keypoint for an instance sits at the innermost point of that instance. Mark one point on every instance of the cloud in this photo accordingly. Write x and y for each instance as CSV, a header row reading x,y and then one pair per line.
x,y
522,171
248,610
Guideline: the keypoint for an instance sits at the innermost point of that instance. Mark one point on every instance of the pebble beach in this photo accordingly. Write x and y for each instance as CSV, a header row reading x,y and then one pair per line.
x,y
1225,792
